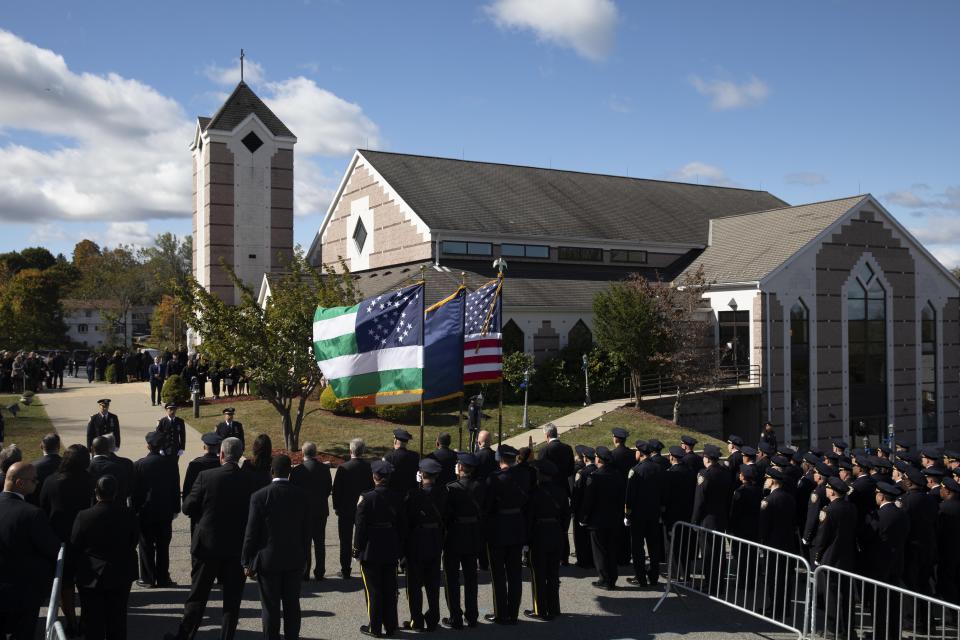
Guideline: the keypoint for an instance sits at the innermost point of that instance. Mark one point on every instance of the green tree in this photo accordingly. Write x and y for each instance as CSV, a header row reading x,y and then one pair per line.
x,y
33,315
30,258
271,343
84,252
115,275
167,264
168,329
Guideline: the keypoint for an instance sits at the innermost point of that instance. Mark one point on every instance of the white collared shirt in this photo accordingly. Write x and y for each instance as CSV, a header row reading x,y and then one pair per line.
x,y
19,495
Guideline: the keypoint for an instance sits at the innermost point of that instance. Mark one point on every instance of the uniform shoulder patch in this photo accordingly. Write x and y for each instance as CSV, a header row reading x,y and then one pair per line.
x,y
813,498
700,478
763,504
578,476
823,515
899,503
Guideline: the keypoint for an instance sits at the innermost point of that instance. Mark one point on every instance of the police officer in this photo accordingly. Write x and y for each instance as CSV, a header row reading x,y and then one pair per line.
x,y
920,553
624,459
656,449
156,500
883,542
690,458
581,535
548,515
744,521
506,498
405,463
424,543
735,459
680,484
711,506
172,432
777,530
602,514
209,460
230,428
948,532
378,545
463,542
103,423
836,546
818,500
644,495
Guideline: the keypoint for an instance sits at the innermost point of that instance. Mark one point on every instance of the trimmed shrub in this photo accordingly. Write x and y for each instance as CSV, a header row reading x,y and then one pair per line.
x,y
110,373
330,402
174,390
405,414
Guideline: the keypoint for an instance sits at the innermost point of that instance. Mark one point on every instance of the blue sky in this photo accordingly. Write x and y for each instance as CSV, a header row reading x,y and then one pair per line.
x,y
810,100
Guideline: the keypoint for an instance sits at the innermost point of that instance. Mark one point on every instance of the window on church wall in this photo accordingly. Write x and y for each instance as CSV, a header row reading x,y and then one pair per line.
x,y
360,235
800,374
928,369
458,248
867,355
512,338
580,338
252,142
580,254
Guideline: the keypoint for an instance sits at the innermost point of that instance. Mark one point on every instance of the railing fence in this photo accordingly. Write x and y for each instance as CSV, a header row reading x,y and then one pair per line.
x,y
54,628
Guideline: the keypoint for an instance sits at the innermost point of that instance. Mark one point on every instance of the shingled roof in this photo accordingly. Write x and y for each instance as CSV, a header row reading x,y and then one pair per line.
x,y
746,248
484,197
241,103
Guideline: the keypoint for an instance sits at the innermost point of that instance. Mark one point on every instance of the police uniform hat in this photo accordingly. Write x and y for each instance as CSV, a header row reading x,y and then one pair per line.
x,y
811,457
916,476
431,466
689,441
933,472
840,444
506,451
865,462
105,401
832,456
644,447
581,449
824,469
890,490
747,472
766,447
786,451
736,441
817,452
951,484
153,438
885,450
838,485
902,465
229,410
381,468
402,435
620,432
780,461
170,405
845,464
950,454
882,463
711,451
931,454
547,468
467,459
655,444
677,452
590,452
749,451
604,454
211,439
776,474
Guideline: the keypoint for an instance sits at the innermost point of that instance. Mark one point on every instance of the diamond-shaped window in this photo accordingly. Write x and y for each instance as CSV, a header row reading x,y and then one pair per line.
x,y
360,235
252,142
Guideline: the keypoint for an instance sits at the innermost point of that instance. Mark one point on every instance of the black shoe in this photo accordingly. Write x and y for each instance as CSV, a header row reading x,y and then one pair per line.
x,y
410,625
365,630
450,624
166,584
495,620
472,623
599,584
637,582
344,574
318,577
653,579
144,585
528,613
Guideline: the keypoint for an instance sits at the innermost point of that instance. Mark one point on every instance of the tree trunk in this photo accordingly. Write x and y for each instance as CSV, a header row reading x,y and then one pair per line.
x,y
298,423
635,381
289,437
676,407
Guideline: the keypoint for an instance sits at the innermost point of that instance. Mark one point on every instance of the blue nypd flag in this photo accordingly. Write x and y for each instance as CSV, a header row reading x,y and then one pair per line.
x,y
443,348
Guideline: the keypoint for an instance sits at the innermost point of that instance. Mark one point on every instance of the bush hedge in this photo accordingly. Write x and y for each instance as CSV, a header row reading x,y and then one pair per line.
x,y
330,402
110,373
174,390
406,414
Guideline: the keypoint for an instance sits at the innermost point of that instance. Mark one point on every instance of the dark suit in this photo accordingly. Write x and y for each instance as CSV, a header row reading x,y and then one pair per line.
x,y
487,462
602,513
46,467
173,434
156,500
156,377
778,530
275,546
405,463
423,546
120,468
644,495
378,544
315,478
463,518
448,462
100,425
218,502
353,479
232,430
28,553
105,537
196,467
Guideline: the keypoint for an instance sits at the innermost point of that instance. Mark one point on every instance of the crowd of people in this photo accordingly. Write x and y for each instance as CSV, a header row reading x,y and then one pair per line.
x,y
32,371
439,520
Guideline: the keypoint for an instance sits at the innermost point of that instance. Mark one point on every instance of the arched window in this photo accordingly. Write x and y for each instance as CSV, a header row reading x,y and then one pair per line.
x,y
867,355
580,338
928,369
800,374
512,338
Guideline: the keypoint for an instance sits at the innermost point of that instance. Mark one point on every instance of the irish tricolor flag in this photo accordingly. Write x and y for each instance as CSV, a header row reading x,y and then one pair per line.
x,y
372,352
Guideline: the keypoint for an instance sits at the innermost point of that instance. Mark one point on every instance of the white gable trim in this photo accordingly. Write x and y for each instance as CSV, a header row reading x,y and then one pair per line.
x,y
220,135
318,239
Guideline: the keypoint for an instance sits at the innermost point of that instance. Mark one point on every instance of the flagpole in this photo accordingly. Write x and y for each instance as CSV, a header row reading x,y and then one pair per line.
x,y
423,322
501,266
463,388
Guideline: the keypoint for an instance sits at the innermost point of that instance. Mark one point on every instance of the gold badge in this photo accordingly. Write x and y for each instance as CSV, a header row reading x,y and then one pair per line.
x,y
813,498
763,504
823,516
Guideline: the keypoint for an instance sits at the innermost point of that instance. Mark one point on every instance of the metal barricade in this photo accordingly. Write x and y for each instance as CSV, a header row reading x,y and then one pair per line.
x,y
54,628
761,581
846,605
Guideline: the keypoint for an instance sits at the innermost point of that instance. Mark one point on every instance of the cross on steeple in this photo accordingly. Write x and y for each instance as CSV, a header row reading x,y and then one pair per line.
x,y
241,65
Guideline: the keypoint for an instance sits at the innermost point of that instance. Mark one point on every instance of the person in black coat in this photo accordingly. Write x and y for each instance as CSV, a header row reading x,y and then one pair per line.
x,y
561,455
64,495
378,545
581,535
447,459
505,500
156,375
314,477
735,458
690,457
463,542
711,507
103,423
230,428
656,454
48,464
405,463
353,479
778,530
602,513
156,501
547,515
172,432
882,544
744,521
258,464
836,546
486,456
105,537
275,547
28,553
423,545
644,495
920,554
219,503
948,532
209,460
106,462
624,458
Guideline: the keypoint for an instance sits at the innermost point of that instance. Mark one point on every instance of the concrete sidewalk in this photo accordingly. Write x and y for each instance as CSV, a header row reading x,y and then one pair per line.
x,y
568,422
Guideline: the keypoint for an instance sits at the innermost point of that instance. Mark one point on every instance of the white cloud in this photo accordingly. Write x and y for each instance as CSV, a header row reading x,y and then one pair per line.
x,y
725,94
313,189
586,26
230,75
915,198
701,173
127,233
619,104
806,178
941,235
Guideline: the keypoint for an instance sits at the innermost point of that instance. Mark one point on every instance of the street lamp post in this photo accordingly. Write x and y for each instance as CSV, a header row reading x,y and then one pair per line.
x,y
586,381
733,307
526,391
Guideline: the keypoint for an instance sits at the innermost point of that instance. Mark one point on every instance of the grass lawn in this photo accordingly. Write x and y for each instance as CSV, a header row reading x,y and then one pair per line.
x,y
640,425
333,433
30,425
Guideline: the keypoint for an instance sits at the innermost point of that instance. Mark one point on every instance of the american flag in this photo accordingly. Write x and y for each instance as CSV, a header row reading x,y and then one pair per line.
x,y
482,348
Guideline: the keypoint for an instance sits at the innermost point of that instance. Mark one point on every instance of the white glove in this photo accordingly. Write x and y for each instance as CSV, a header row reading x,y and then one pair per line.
x,y
419,477
180,452
626,522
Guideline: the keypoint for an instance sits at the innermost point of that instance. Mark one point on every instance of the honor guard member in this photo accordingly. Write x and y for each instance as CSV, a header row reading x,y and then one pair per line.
x,y
744,519
644,495
230,428
805,487
602,514
690,457
405,463
504,503
353,479
735,459
948,532
103,423
624,458
156,501
882,547
863,488
817,501
680,484
378,545
777,530
172,432
209,460
463,543
424,544
932,477
581,535
548,515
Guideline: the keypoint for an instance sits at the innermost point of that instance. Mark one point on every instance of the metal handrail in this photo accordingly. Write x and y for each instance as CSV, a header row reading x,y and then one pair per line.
x,y
655,384
54,628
